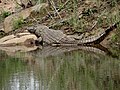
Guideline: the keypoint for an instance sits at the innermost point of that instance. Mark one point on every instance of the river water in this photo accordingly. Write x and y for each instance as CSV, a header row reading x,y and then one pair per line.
x,y
60,68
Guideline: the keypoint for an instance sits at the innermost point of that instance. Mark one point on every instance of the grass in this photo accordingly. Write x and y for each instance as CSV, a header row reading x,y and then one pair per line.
x,y
114,38
4,14
18,23
81,14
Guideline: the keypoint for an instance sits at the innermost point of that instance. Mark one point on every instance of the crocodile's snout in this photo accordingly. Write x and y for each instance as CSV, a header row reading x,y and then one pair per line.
x,y
31,29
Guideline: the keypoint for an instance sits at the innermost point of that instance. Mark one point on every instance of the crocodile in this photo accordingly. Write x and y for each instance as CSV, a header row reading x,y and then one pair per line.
x,y
43,35
58,37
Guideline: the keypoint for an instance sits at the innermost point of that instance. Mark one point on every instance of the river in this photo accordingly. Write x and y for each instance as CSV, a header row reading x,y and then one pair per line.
x,y
60,68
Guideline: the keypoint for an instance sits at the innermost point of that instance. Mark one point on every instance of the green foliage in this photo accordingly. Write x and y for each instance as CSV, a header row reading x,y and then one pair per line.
x,y
18,23
5,14
112,3
89,11
114,37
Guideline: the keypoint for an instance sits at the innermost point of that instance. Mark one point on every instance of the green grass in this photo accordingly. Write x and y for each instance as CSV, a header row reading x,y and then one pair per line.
x,y
18,23
97,11
4,14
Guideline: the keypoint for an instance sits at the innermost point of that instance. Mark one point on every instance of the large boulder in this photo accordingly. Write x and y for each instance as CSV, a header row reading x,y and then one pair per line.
x,y
23,14
11,50
18,39
7,6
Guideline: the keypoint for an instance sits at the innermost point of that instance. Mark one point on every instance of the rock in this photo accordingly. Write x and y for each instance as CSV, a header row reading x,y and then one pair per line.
x,y
8,22
7,6
26,39
14,49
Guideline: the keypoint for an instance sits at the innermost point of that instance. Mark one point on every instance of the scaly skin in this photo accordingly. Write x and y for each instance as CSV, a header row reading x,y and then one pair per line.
x,y
57,37
96,39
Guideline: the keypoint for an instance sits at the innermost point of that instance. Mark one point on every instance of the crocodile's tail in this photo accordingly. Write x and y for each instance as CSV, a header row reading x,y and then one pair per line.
x,y
99,37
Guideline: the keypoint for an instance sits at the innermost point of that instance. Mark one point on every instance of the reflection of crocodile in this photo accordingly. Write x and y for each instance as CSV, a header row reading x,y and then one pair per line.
x,y
57,37
54,51
46,51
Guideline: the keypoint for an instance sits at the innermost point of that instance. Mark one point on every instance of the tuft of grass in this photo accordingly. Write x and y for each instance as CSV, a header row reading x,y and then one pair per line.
x,y
4,14
114,38
18,23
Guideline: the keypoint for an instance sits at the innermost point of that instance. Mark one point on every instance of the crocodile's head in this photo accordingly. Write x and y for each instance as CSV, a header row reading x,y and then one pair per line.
x,y
31,29
37,29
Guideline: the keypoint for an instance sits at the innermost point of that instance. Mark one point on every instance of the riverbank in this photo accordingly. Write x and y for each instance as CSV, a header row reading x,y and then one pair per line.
x,y
74,17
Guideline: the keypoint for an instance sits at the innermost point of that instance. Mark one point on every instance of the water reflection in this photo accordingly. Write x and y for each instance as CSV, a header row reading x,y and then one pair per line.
x,y
23,81
60,68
